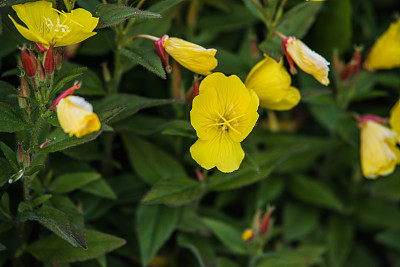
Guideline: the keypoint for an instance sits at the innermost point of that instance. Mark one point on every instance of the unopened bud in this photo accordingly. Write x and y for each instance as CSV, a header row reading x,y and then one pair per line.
x,y
42,74
194,90
26,91
353,67
253,48
264,226
59,58
248,235
20,152
40,48
21,100
49,61
106,72
28,64
199,175
159,45
337,64
27,159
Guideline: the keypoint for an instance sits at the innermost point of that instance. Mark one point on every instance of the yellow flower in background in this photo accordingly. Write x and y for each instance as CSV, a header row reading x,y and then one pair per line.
x,y
307,60
192,56
223,115
48,26
395,118
76,116
385,53
271,82
379,154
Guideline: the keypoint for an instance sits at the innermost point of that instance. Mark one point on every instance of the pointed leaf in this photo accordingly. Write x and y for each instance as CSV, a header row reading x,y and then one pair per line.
x,y
298,220
155,224
11,120
72,181
71,75
174,191
305,256
111,15
340,240
106,115
10,155
99,188
146,58
53,249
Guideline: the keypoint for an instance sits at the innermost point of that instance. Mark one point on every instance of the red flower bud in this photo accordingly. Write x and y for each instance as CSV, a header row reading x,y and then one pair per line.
x,y
42,74
353,67
40,48
264,226
27,63
59,58
26,91
20,152
159,45
49,61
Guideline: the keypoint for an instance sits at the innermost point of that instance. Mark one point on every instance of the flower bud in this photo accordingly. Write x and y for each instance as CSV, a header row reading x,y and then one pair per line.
x,y
264,226
106,72
49,61
20,152
159,45
353,67
59,58
21,100
248,235
66,93
42,74
26,91
27,159
28,64
40,48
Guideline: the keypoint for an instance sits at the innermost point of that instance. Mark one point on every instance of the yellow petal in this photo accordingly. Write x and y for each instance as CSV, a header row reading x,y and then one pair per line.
x,y
221,152
76,116
307,60
192,56
379,154
385,53
271,82
395,118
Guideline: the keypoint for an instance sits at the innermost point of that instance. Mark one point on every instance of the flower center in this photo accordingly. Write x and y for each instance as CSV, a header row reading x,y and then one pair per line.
x,y
57,28
226,124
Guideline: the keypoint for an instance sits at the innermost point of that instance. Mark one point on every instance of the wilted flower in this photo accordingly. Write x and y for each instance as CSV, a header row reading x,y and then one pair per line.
x,y
307,60
385,53
223,114
379,154
271,82
192,56
76,115
49,26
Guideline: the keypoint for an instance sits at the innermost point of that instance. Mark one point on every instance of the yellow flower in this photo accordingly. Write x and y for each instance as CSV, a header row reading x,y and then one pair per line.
x,y
271,82
395,118
223,114
248,235
379,154
48,26
76,116
385,53
192,56
307,60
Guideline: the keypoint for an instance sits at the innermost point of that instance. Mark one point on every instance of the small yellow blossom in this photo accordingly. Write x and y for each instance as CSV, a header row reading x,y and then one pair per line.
x,y
76,116
307,60
385,53
379,154
271,82
192,56
248,235
223,115
395,118
49,26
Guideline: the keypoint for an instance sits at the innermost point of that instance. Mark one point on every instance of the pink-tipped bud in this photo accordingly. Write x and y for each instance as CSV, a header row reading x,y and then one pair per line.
x,y
199,175
27,159
40,48
26,91
45,143
353,67
159,45
42,74
49,61
264,226
371,117
66,93
288,57
27,63
59,58
21,100
20,152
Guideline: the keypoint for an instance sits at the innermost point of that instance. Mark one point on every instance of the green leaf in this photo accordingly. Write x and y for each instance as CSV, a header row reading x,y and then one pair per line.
x,y
11,120
111,15
146,58
389,238
155,225
106,115
247,174
59,223
225,262
227,234
53,249
150,162
388,187
299,19
33,169
314,192
71,75
174,191
40,200
99,188
272,49
298,220
340,240
378,213
188,216
200,247
72,181
10,155
61,140
306,256
325,110
133,104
